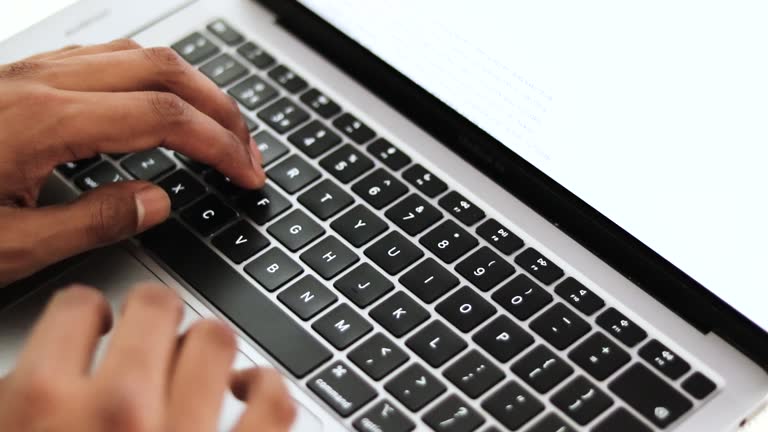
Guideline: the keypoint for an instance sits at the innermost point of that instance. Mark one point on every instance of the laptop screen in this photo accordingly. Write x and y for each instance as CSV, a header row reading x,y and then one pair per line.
x,y
654,113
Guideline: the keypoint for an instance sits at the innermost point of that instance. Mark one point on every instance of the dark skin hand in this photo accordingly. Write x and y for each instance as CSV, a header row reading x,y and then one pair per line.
x,y
77,102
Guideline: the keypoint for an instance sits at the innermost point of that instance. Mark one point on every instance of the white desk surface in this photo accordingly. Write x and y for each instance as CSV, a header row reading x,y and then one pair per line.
x,y
25,13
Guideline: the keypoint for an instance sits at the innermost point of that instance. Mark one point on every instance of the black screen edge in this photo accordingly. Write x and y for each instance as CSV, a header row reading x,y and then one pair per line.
x,y
644,267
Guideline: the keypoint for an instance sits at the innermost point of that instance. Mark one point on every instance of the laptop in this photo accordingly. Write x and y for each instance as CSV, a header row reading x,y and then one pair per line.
x,y
478,216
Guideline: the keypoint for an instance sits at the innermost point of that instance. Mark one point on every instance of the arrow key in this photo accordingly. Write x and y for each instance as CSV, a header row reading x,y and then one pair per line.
x,y
378,356
240,242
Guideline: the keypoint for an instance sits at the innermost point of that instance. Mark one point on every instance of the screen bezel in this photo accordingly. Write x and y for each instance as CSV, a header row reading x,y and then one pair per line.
x,y
647,269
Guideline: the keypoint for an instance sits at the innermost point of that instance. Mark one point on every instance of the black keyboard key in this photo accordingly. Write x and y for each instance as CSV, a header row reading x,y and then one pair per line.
x,y
436,343
553,423
307,297
522,297
378,356
101,174
388,154
650,396
148,165
253,92
542,369
240,242
223,184
621,327
347,163
503,338
414,214
223,31
581,400
473,374
499,236
342,388
698,385
465,309
539,266
394,252
193,165
414,387
453,415
249,308
353,128
181,188
461,208
621,420
380,188
429,280
325,199
449,241
314,139
485,269
293,173
329,257
208,215
263,205
288,79
283,115
359,225
296,230
423,180
399,314
256,55
599,356
320,103
579,296
223,70
69,169
195,48
384,417
270,147
342,326
273,269
513,406
560,326
364,285
664,359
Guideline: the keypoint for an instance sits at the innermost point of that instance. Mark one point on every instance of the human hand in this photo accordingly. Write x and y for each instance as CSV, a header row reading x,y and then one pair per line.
x,y
150,380
77,102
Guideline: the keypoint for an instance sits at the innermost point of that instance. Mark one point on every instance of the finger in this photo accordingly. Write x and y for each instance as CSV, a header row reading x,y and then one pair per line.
x,y
128,122
42,236
269,405
148,69
62,342
52,54
201,376
143,343
78,50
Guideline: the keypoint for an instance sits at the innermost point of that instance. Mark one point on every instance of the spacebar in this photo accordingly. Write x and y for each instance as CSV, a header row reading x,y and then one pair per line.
x,y
238,299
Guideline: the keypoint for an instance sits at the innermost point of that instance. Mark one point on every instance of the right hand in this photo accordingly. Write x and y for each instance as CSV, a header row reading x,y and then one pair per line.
x,y
150,380
77,102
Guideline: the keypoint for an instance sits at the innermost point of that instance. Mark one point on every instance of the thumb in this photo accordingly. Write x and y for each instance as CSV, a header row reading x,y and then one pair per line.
x,y
105,215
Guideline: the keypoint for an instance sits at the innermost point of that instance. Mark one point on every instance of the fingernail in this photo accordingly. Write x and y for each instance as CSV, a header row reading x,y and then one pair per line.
x,y
255,155
152,206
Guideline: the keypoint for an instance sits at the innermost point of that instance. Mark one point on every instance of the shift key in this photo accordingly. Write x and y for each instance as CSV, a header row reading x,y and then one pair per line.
x,y
650,395
242,302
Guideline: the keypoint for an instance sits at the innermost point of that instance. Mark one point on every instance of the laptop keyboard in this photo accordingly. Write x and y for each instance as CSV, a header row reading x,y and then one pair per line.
x,y
412,285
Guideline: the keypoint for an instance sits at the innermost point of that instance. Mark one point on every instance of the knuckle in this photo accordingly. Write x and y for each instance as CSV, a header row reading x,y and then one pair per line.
x,y
125,44
36,391
168,62
214,333
21,69
122,408
108,220
168,107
